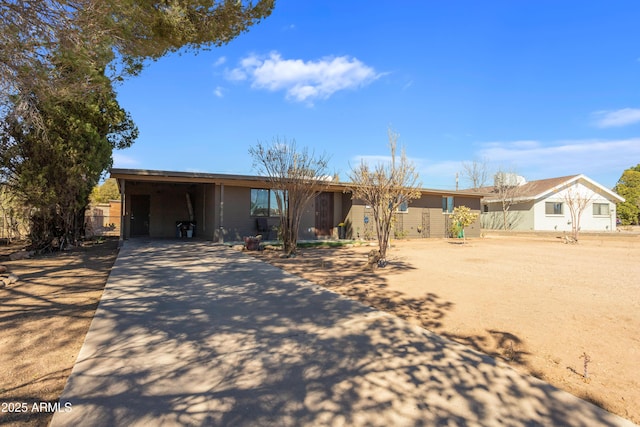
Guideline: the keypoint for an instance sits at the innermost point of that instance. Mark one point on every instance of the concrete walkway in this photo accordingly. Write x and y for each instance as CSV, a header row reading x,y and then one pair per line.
x,y
188,333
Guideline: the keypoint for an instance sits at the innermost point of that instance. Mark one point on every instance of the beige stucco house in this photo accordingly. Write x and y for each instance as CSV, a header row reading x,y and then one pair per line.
x,y
223,207
542,205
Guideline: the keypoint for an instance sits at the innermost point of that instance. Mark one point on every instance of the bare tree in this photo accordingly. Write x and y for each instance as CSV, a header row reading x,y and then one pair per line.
x,y
385,187
507,189
298,176
476,172
577,201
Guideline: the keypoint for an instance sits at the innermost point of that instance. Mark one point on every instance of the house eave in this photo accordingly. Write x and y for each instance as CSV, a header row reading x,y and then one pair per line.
x,y
246,180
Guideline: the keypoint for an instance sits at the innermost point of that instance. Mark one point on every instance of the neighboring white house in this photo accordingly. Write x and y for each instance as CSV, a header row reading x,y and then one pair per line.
x,y
543,205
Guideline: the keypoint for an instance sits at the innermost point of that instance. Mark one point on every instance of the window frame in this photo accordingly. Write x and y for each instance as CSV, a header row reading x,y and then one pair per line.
x,y
447,205
599,213
554,208
400,207
271,206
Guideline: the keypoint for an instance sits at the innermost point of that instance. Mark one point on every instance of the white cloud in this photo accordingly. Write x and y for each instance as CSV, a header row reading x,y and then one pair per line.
x,y
120,160
407,85
303,81
219,91
220,61
536,160
617,118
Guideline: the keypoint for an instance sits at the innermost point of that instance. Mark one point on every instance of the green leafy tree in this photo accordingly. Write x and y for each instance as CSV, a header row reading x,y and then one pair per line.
x,y
628,186
385,187
105,192
55,169
297,175
59,117
461,218
120,33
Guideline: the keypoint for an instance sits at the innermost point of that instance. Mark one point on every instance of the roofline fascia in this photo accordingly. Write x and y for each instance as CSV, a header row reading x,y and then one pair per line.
x,y
205,177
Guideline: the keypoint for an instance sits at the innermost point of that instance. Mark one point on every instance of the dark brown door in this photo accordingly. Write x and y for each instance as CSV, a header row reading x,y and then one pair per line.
x,y
324,214
140,215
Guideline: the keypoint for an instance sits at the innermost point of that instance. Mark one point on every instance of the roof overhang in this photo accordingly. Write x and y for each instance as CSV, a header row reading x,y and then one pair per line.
x,y
158,176
559,187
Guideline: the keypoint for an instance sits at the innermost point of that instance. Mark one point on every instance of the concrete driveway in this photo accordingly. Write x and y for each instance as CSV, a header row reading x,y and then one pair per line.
x,y
189,333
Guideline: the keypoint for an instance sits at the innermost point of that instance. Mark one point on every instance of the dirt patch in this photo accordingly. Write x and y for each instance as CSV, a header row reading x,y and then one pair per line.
x,y
43,322
536,303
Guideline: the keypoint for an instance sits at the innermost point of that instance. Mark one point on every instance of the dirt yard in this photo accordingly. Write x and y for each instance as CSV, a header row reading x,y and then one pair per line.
x,y
44,318
539,304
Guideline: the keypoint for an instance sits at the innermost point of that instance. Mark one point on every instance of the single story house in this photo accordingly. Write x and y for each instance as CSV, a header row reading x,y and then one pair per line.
x,y
223,207
542,205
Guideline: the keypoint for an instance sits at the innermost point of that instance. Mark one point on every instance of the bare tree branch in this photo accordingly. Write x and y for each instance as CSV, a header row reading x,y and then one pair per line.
x,y
385,187
577,201
297,175
476,172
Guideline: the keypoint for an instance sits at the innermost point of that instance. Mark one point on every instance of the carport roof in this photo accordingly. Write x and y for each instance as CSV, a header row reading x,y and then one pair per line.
x,y
243,180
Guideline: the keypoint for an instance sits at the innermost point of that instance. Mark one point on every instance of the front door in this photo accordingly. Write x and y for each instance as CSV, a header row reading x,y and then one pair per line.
x,y
140,215
324,214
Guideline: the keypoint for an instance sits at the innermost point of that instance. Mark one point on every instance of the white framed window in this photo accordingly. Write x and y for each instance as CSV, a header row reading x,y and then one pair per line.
x,y
403,207
447,204
553,208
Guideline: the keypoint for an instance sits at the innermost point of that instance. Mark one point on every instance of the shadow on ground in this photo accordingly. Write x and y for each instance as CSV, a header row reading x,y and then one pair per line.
x,y
43,321
193,334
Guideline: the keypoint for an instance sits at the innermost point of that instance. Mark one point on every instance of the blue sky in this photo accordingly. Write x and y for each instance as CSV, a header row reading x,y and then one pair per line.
x,y
544,88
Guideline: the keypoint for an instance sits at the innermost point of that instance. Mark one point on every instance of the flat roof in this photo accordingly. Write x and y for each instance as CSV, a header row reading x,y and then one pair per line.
x,y
243,180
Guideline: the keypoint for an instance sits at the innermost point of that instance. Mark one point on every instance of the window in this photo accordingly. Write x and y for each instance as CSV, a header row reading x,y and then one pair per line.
x,y
447,204
553,208
601,209
264,202
403,207
486,208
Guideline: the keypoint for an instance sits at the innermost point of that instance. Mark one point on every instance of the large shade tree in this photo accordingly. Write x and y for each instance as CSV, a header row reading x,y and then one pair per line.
x,y
55,175
122,34
59,117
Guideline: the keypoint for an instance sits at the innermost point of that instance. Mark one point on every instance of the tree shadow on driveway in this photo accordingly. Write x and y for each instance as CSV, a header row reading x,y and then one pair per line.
x,y
195,334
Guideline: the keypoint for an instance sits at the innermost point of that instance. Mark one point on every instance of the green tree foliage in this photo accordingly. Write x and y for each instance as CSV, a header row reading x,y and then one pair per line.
x,y
297,175
60,119
628,186
461,218
385,187
121,33
54,168
105,192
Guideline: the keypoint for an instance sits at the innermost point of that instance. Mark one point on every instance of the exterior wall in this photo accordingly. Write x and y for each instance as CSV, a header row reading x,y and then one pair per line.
x,y
532,216
167,204
519,217
238,223
424,218
308,223
588,222
222,213
472,203
103,219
